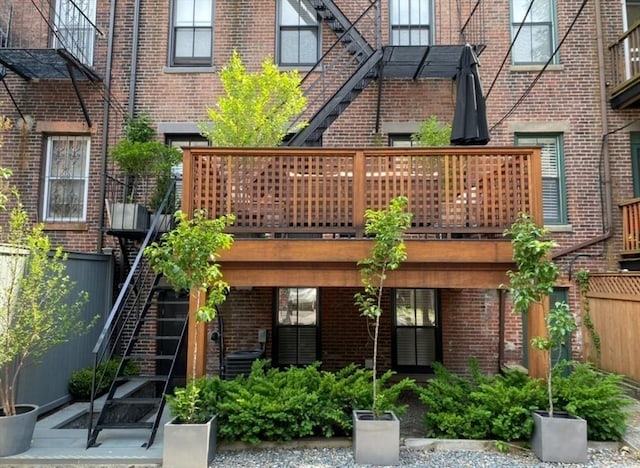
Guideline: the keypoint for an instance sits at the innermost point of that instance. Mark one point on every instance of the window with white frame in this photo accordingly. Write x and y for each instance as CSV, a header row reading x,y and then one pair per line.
x,y
410,22
75,28
66,179
401,140
192,33
553,184
298,33
536,41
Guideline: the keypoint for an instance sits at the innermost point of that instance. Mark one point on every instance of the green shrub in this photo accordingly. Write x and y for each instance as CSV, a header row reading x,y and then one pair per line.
x,y
591,395
480,407
280,405
450,412
510,399
80,381
500,407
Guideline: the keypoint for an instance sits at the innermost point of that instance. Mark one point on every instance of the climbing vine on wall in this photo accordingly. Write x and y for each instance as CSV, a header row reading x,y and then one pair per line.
x,y
582,278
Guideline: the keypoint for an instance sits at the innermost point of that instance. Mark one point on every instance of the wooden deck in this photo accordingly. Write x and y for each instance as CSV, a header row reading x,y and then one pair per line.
x,y
300,212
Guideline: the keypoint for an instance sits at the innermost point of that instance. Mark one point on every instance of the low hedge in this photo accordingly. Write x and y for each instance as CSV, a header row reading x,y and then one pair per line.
x,y
279,405
500,406
80,381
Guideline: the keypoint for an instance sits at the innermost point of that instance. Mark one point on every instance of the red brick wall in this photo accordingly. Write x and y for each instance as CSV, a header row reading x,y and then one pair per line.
x,y
469,324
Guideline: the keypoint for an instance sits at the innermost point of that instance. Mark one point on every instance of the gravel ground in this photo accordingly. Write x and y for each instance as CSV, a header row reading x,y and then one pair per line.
x,y
343,457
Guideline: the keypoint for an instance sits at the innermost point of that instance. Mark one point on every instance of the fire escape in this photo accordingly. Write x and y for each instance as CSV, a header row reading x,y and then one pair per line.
x,y
359,55
41,43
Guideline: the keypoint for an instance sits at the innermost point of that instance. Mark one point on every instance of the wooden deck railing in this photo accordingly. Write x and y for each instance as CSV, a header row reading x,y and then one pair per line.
x,y
630,227
625,58
285,192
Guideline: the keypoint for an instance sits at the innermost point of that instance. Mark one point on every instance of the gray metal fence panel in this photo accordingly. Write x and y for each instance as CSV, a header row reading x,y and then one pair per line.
x,y
46,384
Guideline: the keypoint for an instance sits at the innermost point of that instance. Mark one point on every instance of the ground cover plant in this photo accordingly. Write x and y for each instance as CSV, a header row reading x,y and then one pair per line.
x,y
271,404
500,406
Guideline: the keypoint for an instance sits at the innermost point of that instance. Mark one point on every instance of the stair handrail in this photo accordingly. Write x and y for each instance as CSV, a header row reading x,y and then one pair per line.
x,y
111,333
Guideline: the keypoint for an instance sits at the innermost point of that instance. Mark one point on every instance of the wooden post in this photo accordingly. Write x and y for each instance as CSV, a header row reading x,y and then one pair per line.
x,y
359,187
538,361
192,342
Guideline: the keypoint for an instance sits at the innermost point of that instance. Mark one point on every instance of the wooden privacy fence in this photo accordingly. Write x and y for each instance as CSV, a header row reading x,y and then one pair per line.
x,y
614,302
281,191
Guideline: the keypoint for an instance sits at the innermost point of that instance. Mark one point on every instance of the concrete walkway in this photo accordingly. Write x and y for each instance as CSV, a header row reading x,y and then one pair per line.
x,y
65,448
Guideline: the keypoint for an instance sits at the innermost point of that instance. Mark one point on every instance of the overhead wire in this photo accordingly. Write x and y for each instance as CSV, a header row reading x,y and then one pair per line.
x,y
539,75
513,41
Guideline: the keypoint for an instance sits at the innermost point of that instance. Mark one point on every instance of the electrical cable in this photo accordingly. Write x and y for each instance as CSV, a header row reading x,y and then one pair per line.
x,y
544,68
506,57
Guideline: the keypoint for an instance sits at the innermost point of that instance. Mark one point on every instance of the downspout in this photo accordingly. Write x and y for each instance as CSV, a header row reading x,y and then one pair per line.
x,y
134,58
501,328
605,159
105,124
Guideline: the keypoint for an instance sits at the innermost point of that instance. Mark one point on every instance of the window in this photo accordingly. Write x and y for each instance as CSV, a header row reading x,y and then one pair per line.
x,y
536,40
184,140
416,329
192,33
75,30
553,185
401,140
297,326
410,22
298,34
631,13
66,178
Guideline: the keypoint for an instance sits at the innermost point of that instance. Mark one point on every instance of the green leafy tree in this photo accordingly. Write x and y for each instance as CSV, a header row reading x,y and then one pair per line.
x,y
432,132
387,226
257,108
534,279
187,257
140,155
38,310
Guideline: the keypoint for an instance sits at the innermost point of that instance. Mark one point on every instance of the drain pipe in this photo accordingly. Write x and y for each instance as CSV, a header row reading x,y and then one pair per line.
x,y
134,58
105,124
605,185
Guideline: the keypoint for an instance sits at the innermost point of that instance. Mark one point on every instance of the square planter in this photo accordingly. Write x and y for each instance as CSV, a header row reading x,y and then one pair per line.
x,y
129,216
376,441
562,438
189,445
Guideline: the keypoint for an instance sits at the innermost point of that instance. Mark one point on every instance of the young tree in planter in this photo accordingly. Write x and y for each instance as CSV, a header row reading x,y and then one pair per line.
x,y
38,310
187,257
534,279
387,227
531,283
257,108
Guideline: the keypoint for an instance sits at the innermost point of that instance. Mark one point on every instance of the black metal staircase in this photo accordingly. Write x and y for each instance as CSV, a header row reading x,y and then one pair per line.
x,y
328,91
358,57
146,326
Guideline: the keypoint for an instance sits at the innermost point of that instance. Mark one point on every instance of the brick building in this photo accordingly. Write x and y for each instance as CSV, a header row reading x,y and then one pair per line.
x,y
74,69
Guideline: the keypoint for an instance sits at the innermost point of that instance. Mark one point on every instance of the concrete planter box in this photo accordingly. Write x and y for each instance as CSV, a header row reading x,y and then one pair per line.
x,y
376,441
129,217
189,445
562,438
16,431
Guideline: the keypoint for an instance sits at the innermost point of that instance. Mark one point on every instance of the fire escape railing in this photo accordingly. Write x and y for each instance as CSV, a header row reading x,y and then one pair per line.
x,y
625,58
346,53
134,296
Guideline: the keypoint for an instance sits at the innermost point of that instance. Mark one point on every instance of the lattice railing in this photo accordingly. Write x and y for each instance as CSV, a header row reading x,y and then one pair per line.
x,y
452,190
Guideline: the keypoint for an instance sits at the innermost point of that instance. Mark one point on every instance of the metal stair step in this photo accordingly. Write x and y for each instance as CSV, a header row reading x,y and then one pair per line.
x,y
142,378
125,425
134,401
160,357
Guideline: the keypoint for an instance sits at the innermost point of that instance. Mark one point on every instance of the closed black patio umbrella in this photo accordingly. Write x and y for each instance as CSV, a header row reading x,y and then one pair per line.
x,y
470,118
